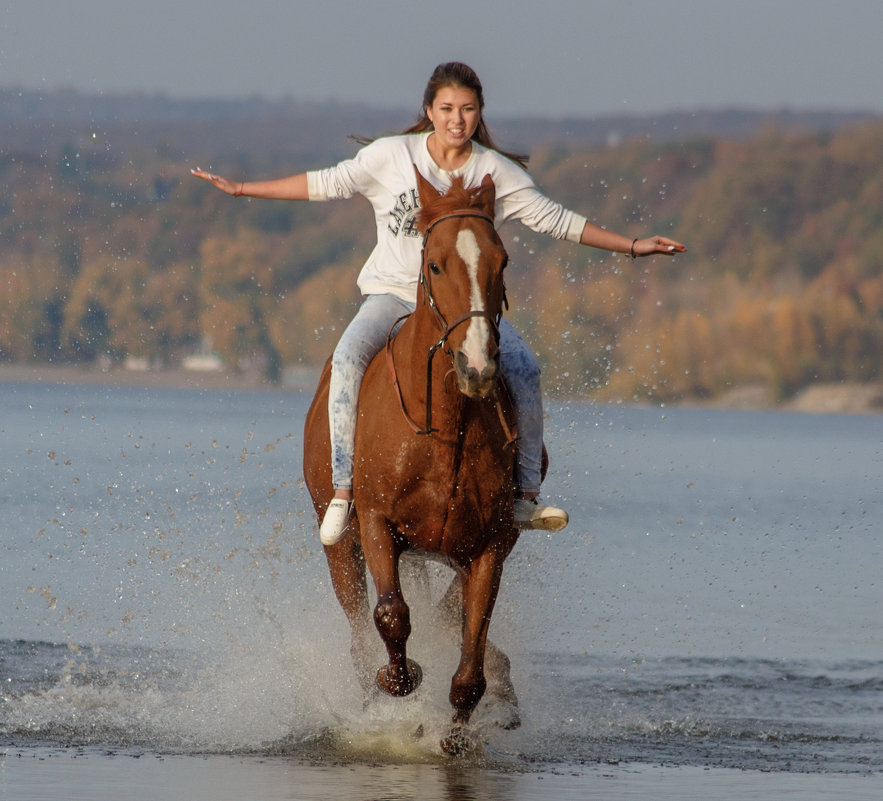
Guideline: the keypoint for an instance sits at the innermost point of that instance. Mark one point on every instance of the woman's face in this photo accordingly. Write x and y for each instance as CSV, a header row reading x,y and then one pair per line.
x,y
454,115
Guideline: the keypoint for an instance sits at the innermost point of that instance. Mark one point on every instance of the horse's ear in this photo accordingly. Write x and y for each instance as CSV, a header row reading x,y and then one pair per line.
x,y
487,195
428,193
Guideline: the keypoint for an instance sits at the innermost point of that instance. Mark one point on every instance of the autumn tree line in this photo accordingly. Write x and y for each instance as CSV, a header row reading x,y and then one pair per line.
x,y
116,253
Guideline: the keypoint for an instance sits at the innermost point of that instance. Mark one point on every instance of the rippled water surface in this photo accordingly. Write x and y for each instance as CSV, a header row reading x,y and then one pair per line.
x,y
708,622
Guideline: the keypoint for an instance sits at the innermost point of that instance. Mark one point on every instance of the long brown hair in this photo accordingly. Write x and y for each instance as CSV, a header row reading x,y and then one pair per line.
x,y
457,74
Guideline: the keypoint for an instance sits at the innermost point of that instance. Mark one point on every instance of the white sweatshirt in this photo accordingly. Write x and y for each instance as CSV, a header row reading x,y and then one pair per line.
x,y
383,172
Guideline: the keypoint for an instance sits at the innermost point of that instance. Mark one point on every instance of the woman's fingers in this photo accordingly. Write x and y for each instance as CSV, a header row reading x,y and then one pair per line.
x,y
657,244
207,176
215,180
667,246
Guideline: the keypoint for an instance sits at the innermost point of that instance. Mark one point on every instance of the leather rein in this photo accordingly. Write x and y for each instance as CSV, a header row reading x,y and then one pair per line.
x,y
445,328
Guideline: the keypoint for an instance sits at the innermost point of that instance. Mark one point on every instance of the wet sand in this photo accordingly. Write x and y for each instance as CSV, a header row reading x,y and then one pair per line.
x,y
99,775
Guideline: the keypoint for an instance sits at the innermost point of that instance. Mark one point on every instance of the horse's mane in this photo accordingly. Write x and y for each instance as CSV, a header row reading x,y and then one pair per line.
x,y
457,198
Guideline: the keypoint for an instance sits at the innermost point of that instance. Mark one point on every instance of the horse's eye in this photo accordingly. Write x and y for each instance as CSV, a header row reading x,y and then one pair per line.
x,y
434,267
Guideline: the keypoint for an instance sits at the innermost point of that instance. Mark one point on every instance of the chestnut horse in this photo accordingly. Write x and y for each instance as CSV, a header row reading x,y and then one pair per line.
x,y
442,486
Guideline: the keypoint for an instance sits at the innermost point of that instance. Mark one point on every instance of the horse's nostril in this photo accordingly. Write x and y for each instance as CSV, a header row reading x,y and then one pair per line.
x,y
490,372
465,369
475,381
462,362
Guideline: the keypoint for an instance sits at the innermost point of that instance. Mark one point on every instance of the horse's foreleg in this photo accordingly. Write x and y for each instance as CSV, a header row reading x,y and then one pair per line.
x,y
391,616
449,611
497,667
480,585
346,565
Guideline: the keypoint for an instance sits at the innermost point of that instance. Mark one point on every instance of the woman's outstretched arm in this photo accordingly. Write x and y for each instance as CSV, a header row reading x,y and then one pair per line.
x,y
597,237
294,187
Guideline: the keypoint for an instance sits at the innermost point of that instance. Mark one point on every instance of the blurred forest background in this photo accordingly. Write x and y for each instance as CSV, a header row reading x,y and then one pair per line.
x,y
111,252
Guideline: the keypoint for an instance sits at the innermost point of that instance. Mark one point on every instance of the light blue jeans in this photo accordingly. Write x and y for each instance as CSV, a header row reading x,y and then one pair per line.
x,y
366,335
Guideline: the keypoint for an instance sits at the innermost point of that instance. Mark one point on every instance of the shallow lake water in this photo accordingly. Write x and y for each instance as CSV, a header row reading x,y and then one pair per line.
x,y
708,623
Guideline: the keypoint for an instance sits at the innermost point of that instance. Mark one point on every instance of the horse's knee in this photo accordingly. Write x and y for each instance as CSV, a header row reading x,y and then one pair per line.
x,y
392,618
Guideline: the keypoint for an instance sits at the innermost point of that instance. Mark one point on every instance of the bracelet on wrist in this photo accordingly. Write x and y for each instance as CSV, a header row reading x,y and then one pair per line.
x,y
239,192
632,249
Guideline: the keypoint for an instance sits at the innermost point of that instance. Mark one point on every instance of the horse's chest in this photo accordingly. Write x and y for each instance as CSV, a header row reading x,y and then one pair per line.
x,y
459,478
470,457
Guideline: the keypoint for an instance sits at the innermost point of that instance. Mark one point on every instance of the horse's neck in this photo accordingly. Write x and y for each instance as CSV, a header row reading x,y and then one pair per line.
x,y
412,348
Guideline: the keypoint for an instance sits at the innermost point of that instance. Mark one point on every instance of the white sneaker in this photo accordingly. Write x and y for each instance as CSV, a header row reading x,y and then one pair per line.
x,y
535,515
337,518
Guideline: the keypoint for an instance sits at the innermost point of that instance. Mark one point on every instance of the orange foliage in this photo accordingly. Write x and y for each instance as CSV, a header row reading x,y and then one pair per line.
x,y
781,283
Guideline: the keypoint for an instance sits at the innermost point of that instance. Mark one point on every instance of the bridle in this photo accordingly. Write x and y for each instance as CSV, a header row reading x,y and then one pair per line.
x,y
426,283
445,327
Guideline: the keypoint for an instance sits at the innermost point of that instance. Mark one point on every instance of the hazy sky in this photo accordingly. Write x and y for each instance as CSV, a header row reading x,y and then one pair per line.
x,y
579,57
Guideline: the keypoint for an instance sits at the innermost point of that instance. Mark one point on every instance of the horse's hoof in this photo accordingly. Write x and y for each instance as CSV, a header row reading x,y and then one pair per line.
x,y
457,743
400,686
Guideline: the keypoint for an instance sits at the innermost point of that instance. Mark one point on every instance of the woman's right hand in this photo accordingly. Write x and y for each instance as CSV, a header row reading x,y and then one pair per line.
x,y
230,187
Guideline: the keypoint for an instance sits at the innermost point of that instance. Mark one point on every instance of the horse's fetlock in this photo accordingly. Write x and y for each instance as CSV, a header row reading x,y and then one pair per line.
x,y
464,696
393,619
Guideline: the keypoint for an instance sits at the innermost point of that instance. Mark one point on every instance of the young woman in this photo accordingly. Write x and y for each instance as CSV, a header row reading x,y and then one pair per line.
x,y
449,139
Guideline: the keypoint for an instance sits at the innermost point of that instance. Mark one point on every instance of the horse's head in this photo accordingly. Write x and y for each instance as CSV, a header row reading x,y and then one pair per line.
x,y
462,277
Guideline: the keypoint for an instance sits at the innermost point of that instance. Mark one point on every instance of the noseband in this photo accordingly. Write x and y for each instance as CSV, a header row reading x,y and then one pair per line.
x,y
445,327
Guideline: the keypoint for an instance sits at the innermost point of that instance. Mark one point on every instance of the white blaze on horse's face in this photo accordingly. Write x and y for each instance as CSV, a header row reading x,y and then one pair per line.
x,y
478,335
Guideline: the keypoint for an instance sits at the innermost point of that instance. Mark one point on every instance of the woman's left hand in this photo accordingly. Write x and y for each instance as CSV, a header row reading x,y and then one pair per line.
x,y
657,244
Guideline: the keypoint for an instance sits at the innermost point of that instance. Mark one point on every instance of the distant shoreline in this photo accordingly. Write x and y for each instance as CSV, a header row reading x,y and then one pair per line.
x,y
175,378
827,398
840,398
